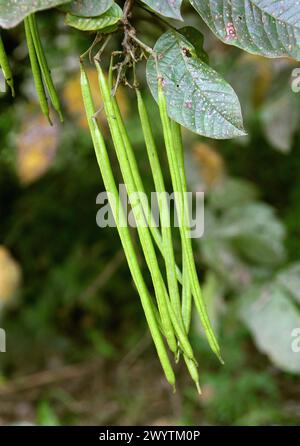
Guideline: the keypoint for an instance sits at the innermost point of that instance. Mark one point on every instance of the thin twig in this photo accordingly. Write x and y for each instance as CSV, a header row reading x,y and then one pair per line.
x,y
104,277
47,377
127,10
145,47
99,53
97,39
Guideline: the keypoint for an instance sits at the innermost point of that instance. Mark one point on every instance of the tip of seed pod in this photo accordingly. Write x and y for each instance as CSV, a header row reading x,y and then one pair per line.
x,y
174,388
198,388
61,118
218,354
221,359
49,120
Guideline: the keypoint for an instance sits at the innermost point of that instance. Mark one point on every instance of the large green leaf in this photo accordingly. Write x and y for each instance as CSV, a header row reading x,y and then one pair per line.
x,y
256,232
102,23
197,96
88,8
13,12
272,318
287,11
222,258
196,38
232,192
289,278
167,8
267,27
280,117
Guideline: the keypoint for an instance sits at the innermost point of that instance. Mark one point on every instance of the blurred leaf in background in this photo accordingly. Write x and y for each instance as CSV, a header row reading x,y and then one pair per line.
x,y
10,277
73,98
271,316
280,119
37,144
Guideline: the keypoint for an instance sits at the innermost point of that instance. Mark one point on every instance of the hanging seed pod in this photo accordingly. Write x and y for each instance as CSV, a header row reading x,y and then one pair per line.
x,y
110,185
39,86
46,73
163,205
4,64
166,232
118,135
173,147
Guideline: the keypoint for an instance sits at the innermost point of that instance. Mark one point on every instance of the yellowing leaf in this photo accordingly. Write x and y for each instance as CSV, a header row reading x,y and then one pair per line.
x,y
36,148
73,99
10,276
210,162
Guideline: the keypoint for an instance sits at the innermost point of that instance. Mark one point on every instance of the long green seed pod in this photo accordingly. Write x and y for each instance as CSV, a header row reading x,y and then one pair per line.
x,y
163,205
44,66
110,185
179,330
178,323
137,179
122,150
36,71
4,64
166,232
139,185
143,231
193,371
186,287
175,316
170,142
186,300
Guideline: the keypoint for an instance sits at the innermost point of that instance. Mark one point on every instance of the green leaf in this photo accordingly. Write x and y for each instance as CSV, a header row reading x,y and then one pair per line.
x,y
13,12
103,22
273,319
46,415
280,118
88,8
167,8
197,96
289,278
222,258
266,27
255,231
287,11
232,192
196,38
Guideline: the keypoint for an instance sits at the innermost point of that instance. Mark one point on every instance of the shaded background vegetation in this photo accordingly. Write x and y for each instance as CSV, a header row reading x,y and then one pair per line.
x,y
78,350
